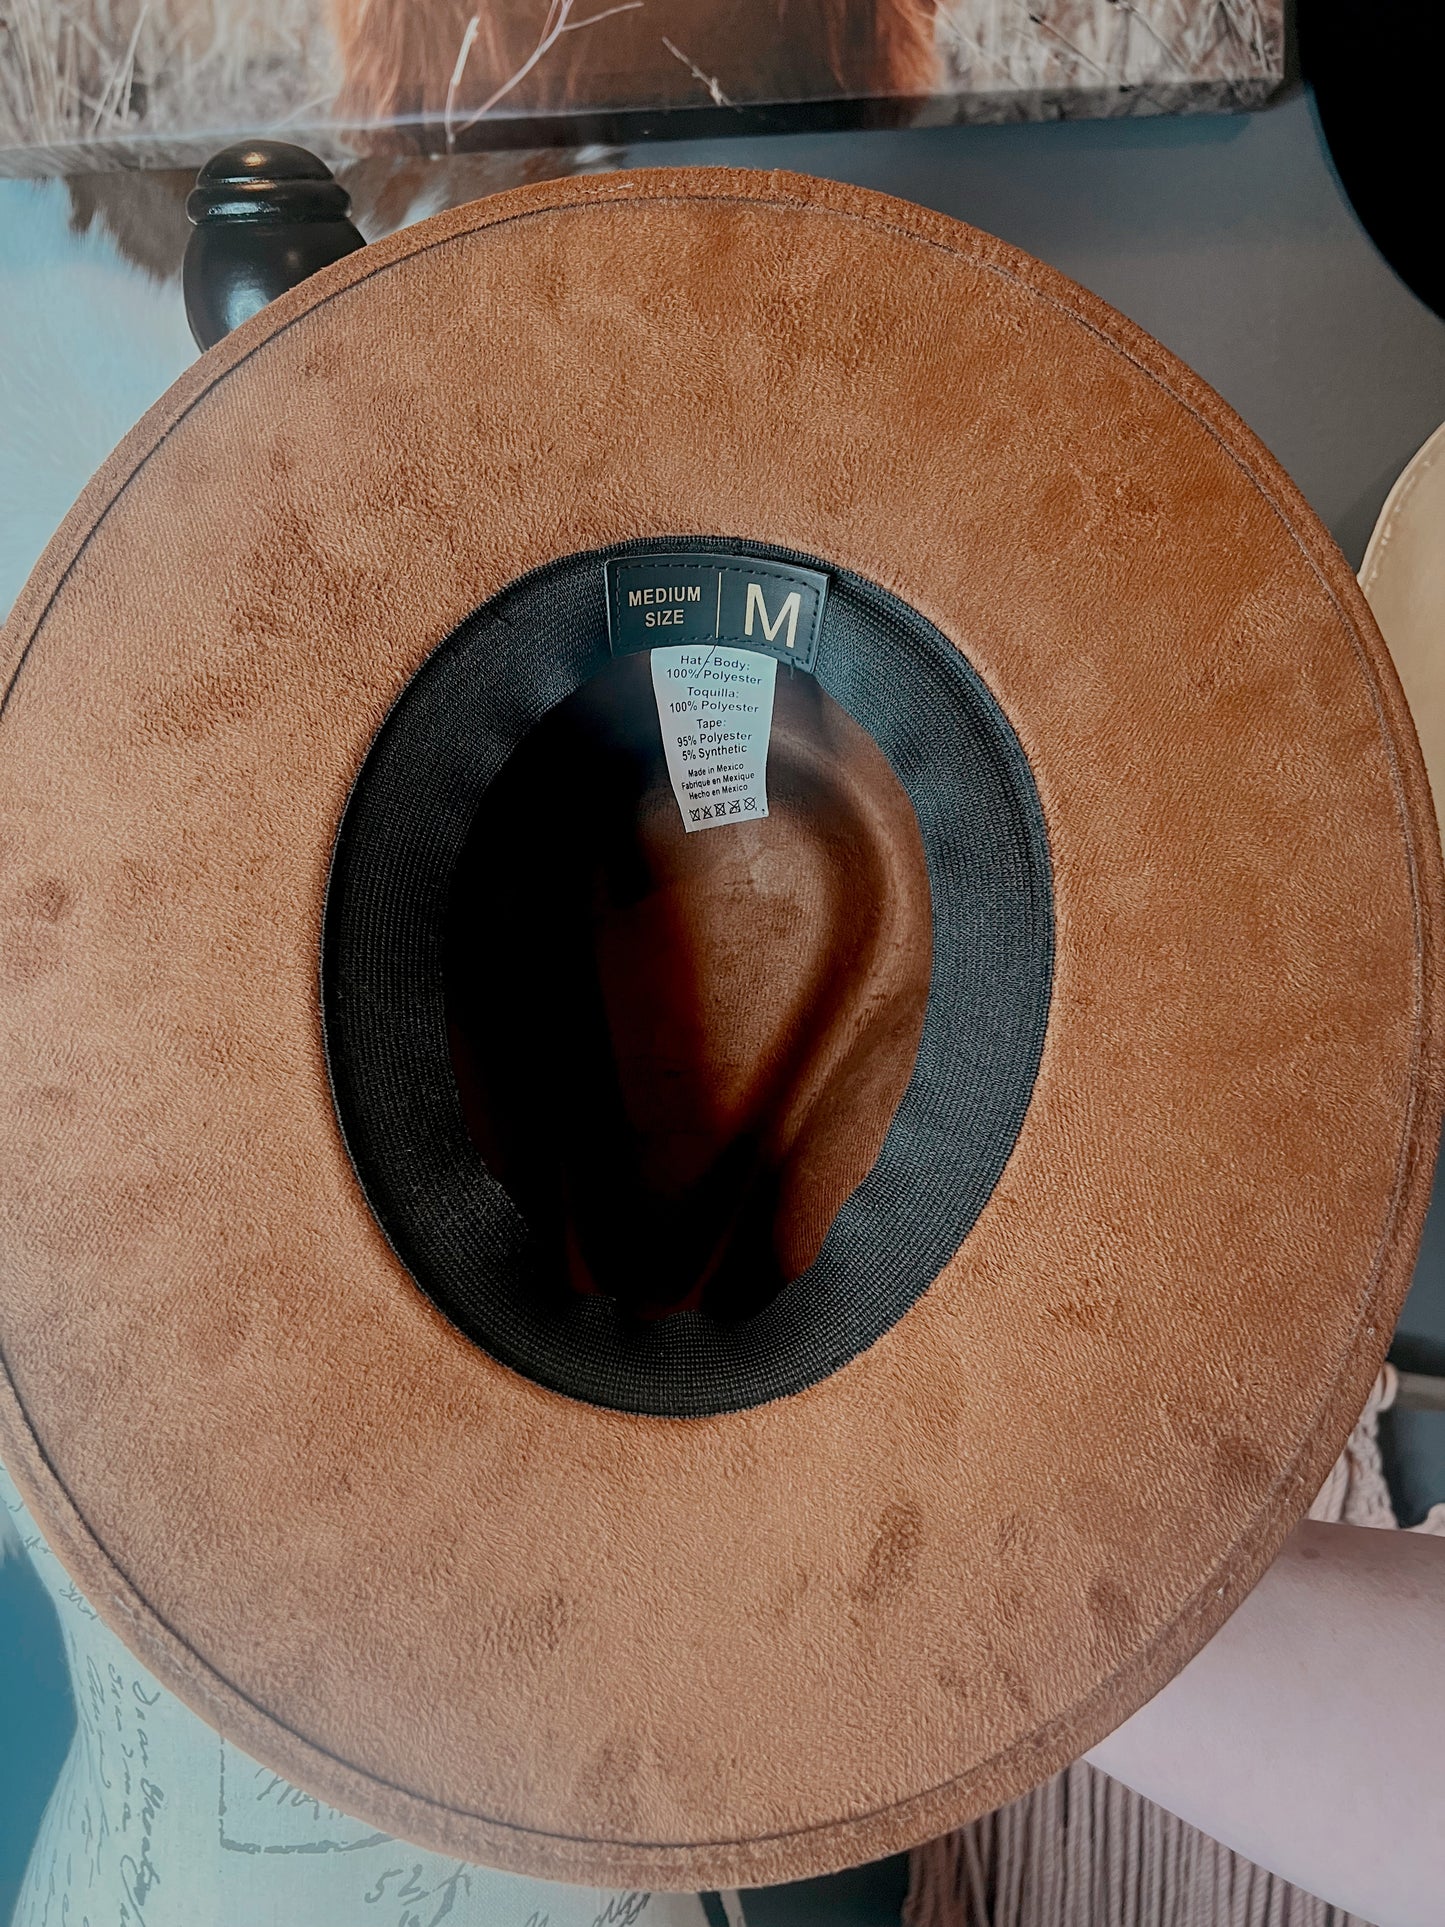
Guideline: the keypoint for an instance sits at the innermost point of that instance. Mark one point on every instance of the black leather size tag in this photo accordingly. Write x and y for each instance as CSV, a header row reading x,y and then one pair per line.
x,y
657,601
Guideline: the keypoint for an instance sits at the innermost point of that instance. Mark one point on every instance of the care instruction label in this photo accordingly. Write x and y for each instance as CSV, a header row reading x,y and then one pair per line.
x,y
715,706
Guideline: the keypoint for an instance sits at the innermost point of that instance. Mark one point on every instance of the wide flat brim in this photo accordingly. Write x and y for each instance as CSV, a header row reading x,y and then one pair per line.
x,y
583,1643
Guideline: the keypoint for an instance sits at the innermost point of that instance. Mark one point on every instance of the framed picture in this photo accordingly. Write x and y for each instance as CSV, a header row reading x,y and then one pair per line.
x,y
90,83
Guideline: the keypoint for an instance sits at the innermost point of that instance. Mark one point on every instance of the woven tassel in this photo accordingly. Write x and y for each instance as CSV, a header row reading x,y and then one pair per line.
x,y
1125,1863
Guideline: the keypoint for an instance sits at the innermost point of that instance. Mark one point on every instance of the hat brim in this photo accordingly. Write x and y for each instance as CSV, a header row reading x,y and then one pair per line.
x,y
591,1644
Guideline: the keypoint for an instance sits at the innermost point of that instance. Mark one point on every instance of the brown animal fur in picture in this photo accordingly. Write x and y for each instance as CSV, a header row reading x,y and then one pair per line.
x,y
407,64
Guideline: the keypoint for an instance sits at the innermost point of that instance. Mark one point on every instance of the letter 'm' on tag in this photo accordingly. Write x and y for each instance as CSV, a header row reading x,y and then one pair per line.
x,y
715,707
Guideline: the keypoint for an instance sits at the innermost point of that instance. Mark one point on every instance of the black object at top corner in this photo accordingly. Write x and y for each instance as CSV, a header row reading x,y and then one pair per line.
x,y
267,215
1375,68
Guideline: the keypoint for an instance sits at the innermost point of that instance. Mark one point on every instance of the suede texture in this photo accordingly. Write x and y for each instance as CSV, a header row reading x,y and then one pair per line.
x,y
627,1650
681,1053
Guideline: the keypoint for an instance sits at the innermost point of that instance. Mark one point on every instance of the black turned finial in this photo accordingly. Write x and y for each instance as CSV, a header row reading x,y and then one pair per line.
x,y
266,215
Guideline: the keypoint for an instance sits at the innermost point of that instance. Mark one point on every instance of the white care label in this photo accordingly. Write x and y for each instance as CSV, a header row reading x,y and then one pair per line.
x,y
715,706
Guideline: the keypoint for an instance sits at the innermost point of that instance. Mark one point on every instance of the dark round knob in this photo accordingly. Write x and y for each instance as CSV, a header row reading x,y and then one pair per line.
x,y
266,215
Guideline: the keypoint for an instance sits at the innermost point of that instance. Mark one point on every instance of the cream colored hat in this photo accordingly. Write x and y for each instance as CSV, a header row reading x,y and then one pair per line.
x,y
1403,578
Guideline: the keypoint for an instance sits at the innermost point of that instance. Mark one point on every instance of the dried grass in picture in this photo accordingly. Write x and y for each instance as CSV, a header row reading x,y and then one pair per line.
x,y
89,83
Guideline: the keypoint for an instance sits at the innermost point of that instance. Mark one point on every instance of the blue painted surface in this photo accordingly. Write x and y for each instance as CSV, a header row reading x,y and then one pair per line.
x,y
37,1717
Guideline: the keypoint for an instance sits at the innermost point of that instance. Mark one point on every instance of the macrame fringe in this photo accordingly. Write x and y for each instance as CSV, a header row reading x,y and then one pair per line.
x,y
1084,1851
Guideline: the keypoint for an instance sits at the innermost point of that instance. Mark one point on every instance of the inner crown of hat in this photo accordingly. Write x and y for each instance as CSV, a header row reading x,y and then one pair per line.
x,y
681,1053
680,1123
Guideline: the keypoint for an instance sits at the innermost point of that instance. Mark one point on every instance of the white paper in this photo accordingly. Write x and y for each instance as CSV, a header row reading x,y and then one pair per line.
x,y
715,706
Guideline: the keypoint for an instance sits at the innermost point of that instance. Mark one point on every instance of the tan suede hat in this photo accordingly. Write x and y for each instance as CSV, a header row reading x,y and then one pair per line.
x,y
693,1359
